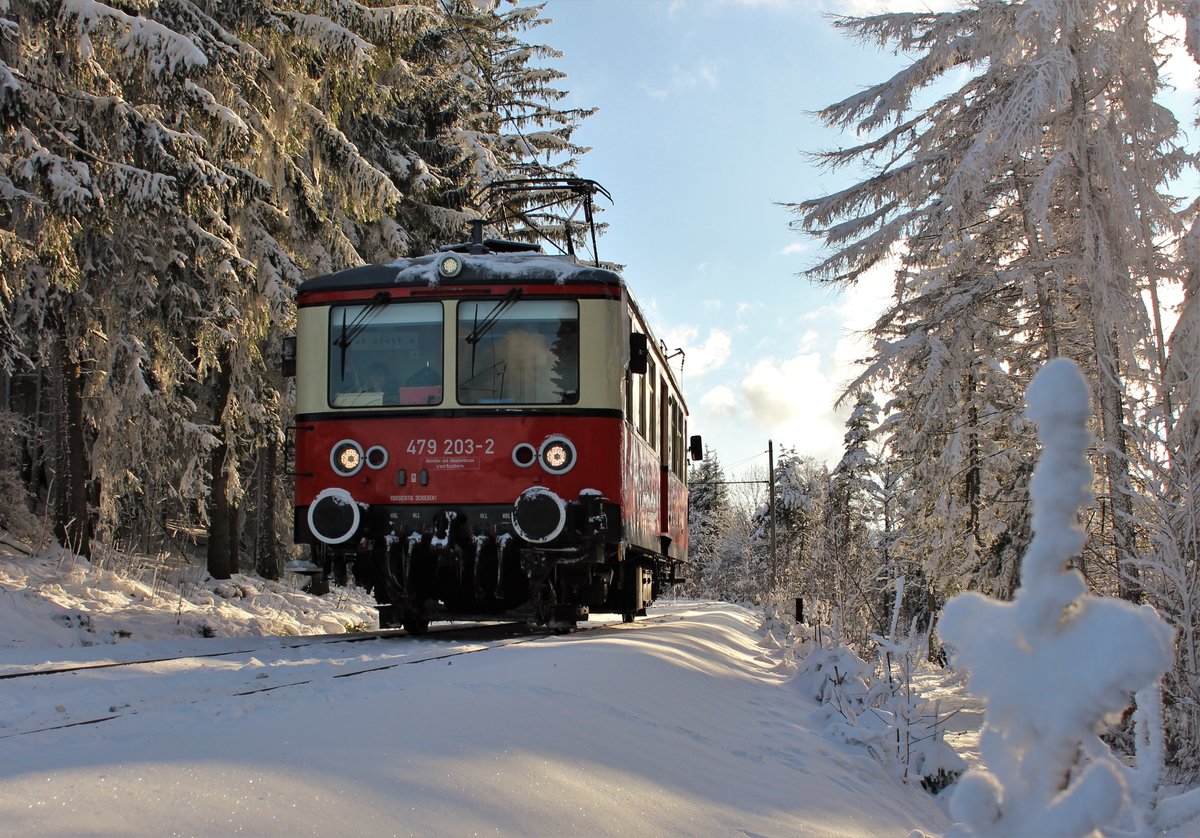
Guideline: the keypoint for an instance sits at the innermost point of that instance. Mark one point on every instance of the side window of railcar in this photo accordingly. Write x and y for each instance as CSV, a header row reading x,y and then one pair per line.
x,y
524,352
678,457
664,429
672,434
652,405
640,396
630,417
385,354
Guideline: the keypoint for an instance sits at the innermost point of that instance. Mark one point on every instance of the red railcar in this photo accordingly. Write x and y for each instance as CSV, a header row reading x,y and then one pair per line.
x,y
485,431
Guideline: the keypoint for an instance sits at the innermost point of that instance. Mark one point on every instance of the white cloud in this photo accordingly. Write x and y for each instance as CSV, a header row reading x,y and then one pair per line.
x,y
702,75
702,356
720,401
779,391
791,400
744,307
795,248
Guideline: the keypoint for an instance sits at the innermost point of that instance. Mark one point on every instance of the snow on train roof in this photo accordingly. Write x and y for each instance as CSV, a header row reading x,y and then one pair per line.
x,y
488,267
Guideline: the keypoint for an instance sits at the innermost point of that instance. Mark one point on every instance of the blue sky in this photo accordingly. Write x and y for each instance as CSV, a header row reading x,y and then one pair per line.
x,y
705,116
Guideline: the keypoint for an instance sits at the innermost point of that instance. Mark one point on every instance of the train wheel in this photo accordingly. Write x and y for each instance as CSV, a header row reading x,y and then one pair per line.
x,y
628,617
340,568
416,626
318,583
389,573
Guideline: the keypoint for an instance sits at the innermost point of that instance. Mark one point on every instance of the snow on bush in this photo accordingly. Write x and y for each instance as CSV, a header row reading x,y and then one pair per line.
x,y
877,708
1056,662
67,600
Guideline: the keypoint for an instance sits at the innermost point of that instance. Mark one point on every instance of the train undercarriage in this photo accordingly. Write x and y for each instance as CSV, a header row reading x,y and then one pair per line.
x,y
450,570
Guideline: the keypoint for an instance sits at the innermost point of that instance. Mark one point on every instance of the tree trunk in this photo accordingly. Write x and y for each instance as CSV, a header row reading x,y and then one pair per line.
x,y
267,559
1108,280
73,525
1116,466
219,564
222,517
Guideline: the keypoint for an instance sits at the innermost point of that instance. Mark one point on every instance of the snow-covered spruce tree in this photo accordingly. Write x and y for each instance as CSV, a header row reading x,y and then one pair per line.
x,y
709,520
735,569
172,176
1171,571
743,572
143,121
801,486
1055,662
1043,175
1170,575
846,572
93,162
481,108
954,436
518,125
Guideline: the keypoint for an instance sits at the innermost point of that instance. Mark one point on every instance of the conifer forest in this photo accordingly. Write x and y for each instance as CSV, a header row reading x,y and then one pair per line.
x,y
1036,201
171,172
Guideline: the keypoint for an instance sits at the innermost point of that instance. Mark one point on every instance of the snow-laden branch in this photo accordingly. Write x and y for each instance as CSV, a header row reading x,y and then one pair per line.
x,y
330,38
164,49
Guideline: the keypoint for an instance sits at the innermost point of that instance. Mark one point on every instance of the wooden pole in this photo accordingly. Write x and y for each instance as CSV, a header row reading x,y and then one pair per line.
x,y
771,495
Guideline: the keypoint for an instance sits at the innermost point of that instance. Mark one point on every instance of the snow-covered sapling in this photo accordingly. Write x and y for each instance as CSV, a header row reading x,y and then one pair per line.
x,y
1055,662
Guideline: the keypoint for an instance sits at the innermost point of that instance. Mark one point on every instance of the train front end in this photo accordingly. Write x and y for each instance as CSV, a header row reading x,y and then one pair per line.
x,y
459,435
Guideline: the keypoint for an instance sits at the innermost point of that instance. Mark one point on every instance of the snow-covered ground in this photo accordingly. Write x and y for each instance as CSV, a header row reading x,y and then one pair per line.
x,y
686,723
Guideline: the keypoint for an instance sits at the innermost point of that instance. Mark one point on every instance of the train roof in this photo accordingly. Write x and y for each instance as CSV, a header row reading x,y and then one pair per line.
x,y
486,268
517,267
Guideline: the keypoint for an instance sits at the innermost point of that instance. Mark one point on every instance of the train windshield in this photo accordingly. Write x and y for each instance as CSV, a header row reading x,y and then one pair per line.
x,y
385,353
513,351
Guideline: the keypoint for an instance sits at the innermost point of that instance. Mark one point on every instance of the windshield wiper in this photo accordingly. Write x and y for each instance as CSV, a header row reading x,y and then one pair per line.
x,y
351,332
482,327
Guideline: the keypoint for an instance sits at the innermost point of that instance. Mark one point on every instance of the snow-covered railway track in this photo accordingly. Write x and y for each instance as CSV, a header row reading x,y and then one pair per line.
x,y
295,643
91,694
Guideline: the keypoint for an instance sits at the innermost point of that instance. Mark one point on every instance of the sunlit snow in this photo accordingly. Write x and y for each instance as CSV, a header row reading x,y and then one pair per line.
x,y
685,723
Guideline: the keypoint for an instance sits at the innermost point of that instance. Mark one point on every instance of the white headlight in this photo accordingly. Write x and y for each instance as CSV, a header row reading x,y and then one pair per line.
x,y
346,458
557,455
